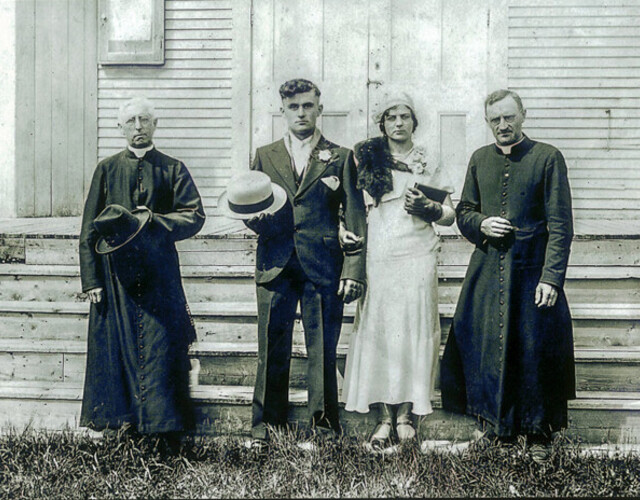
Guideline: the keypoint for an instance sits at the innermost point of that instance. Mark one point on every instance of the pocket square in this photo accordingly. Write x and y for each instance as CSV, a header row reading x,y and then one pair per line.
x,y
332,182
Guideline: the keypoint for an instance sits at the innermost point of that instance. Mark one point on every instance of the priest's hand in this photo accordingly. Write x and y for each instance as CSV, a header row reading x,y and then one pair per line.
x,y
496,227
350,290
95,295
546,295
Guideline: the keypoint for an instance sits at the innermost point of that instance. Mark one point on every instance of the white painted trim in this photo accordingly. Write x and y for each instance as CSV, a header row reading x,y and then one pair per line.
x,y
8,108
241,84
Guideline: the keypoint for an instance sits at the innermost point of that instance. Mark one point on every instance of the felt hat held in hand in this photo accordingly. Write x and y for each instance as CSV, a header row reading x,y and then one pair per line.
x,y
118,227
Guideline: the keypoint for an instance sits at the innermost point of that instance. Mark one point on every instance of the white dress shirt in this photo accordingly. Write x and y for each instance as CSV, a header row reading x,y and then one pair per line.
x,y
300,150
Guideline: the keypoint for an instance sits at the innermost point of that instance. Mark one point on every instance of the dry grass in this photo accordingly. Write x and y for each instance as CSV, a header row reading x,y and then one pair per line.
x,y
67,465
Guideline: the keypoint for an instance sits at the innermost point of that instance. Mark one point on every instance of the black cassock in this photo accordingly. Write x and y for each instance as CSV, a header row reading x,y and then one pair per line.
x,y
139,335
506,360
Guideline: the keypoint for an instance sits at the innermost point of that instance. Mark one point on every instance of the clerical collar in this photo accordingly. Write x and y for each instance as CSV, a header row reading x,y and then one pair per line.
x,y
506,150
140,152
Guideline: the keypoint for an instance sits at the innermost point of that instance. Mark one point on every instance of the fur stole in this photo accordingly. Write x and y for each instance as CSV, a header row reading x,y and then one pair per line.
x,y
374,167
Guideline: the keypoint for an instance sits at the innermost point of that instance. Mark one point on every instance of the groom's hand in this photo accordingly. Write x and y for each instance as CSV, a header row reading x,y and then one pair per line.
x,y
260,223
350,290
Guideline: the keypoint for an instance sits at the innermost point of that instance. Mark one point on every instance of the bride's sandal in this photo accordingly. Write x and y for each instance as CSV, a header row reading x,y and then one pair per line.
x,y
405,429
381,437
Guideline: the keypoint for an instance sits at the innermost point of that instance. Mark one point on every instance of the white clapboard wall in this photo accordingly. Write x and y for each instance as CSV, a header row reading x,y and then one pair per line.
x,y
576,64
193,92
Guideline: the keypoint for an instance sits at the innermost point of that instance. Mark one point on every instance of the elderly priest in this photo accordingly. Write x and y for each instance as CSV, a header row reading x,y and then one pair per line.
x,y
141,202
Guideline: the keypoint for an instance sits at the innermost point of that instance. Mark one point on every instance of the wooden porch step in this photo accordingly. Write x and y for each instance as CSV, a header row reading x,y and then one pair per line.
x,y
611,369
222,250
594,417
22,282
594,325
249,309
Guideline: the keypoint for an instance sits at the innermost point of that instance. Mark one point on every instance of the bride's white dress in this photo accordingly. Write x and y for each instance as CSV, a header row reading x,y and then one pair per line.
x,y
393,351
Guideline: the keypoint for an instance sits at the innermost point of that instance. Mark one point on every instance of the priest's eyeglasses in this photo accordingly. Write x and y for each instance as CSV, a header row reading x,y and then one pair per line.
x,y
507,118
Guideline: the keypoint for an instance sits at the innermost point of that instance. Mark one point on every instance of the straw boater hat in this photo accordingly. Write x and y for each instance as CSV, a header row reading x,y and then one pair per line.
x,y
118,227
250,194
391,101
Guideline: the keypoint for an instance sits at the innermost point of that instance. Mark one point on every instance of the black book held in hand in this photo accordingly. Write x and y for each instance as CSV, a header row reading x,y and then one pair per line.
x,y
432,193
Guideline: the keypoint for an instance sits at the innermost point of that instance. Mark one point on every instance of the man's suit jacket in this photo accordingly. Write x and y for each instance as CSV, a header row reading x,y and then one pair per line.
x,y
309,220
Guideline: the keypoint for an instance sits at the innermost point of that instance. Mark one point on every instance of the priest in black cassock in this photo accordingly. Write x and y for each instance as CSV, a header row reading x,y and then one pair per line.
x,y
509,355
141,202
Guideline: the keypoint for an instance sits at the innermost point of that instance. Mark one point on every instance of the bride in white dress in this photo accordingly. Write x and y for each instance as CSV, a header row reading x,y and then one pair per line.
x,y
393,353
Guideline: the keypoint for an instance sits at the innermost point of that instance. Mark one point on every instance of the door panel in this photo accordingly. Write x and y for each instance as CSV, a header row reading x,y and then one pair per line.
x,y
324,41
436,51
359,52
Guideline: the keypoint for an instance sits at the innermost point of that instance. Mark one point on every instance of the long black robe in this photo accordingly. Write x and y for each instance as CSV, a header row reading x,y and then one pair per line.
x,y
139,335
506,360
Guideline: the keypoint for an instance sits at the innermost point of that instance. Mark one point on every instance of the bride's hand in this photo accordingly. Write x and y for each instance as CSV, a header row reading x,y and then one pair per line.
x,y
350,242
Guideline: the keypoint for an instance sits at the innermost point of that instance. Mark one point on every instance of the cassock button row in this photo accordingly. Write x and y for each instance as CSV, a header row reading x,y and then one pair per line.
x,y
143,388
506,174
143,398
501,280
501,326
501,303
141,356
141,346
141,377
501,336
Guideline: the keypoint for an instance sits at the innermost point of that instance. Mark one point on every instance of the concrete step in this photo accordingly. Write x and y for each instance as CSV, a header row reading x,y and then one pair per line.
x,y
22,282
611,369
595,417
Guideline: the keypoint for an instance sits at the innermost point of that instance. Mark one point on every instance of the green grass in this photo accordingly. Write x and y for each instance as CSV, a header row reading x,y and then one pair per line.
x,y
68,465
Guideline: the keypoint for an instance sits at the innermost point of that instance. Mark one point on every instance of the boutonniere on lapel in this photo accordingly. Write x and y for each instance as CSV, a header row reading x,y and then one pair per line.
x,y
325,155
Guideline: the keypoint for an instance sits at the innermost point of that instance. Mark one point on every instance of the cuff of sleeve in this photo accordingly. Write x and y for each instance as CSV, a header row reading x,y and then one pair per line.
x,y
448,215
552,279
353,268
91,286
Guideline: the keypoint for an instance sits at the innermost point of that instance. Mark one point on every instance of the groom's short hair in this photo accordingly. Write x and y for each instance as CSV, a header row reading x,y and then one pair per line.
x,y
297,86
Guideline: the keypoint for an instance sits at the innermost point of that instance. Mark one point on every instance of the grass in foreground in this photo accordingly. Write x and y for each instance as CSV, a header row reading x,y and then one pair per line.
x,y
67,465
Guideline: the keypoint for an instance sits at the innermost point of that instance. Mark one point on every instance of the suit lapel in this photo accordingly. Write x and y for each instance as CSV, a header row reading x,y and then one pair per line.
x,y
281,162
316,166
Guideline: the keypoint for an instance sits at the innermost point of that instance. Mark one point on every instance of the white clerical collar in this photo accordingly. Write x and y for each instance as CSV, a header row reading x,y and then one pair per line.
x,y
140,152
507,149
312,140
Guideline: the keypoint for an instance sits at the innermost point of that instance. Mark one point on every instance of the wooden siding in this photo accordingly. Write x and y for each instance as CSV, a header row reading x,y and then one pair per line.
x,y
576,64
193,93
55,104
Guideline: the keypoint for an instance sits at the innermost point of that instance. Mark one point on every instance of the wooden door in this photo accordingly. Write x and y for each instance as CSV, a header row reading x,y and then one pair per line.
x,y
438,52
56,87
446,55
324,41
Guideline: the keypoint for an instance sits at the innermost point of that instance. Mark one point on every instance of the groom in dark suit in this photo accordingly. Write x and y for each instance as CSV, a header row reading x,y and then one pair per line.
x,y
299,260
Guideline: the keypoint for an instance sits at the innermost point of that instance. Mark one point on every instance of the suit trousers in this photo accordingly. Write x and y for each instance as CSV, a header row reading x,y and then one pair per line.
x,y
322,311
